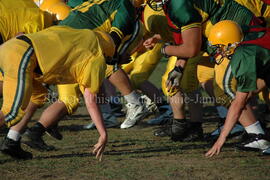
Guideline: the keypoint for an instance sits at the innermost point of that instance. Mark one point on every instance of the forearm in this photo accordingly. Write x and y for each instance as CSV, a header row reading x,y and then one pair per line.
x,y
93,109
182,51
233,115
191,46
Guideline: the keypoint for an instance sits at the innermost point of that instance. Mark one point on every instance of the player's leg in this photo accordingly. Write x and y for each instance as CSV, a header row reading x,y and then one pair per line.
x,y
181,128
17,91
136,111
67,104
115,101
256,139
143,66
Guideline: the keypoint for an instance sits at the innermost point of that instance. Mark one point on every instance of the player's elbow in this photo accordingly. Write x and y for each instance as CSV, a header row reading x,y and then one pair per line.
x,y
192,52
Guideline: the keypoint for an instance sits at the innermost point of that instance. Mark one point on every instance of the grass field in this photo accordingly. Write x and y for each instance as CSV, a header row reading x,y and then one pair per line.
x,y
133,154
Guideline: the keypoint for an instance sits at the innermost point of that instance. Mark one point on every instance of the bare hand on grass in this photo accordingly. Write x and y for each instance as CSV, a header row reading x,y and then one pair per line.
x,y
100,147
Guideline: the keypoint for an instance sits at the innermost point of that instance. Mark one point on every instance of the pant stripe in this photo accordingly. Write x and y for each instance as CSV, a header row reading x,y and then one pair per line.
x,y
227,82
21,85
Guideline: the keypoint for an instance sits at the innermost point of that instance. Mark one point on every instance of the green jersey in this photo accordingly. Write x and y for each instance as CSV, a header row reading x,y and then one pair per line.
x,y
251,60
186,14
105,15
74,3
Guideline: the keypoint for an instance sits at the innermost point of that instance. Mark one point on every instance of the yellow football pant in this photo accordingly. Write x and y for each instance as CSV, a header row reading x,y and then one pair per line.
x,y
18,78
141,68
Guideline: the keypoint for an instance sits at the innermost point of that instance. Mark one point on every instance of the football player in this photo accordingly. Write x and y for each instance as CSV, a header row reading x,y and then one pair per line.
x,y
247,52
188,31
118,19
80,57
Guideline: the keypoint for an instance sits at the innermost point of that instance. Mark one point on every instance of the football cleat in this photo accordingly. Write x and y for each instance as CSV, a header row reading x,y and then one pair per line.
x,y
266,151
13,149
135,113
179,129
164,130
34,140
150,105
254,142
54,132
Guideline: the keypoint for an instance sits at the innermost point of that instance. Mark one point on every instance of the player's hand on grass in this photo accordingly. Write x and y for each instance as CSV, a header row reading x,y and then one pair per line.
x,y
100,147
215,150
151,42
174,78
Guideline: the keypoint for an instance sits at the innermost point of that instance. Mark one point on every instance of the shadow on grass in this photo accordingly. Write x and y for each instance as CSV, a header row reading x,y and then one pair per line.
x,y
141,152
3,161
76,128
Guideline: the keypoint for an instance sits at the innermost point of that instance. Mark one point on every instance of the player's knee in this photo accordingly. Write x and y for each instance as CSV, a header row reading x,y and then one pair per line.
x,y
71,103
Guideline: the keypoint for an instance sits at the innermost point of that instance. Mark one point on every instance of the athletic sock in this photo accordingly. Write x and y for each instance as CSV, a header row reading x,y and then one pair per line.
x,y
14,135
255,128
133,98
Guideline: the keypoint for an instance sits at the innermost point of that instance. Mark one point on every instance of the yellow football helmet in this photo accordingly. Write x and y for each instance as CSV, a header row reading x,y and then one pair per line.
x,y
46,4
156,4
223,38
61,10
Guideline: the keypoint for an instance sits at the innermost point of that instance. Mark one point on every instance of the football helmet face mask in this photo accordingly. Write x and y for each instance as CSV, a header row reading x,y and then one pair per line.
x,y
156,5
223,38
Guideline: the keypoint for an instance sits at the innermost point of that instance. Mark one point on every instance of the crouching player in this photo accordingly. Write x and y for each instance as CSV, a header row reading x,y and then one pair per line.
x,y
80,58
248,54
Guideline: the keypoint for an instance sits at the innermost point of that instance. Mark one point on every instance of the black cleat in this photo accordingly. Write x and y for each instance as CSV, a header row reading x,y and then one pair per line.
x,y
54,132
33,138
165,130
194,134
179,130
13,149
